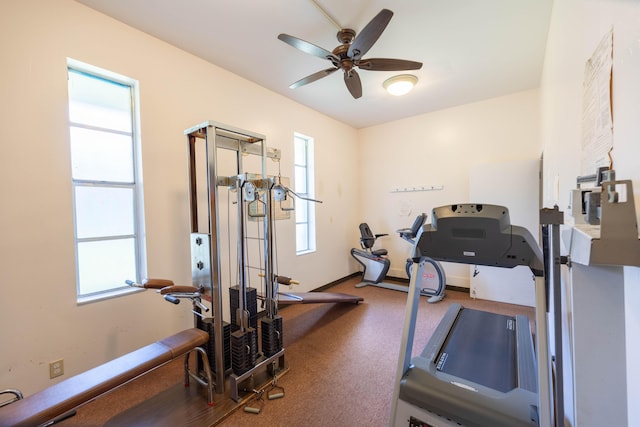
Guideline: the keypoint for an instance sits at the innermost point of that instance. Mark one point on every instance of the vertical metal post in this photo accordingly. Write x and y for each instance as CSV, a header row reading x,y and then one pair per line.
x,y
408,332
269,275
550,219
554,237
193,185
544,359
205,244
216,279
242,316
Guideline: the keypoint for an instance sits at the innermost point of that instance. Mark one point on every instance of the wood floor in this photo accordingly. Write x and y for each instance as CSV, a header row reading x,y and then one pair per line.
x,y
341,361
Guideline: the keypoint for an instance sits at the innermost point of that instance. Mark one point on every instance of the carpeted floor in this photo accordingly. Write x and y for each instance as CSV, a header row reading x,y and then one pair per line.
x,y
342,360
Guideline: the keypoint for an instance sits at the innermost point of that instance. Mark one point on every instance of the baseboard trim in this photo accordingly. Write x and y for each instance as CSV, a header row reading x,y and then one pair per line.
x,y
336,282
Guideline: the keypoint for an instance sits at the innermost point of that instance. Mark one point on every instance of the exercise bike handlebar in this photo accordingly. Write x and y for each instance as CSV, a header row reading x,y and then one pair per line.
x,y
406,234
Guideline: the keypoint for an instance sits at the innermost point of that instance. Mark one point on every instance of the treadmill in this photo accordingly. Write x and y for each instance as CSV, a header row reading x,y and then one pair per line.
x,y
478,369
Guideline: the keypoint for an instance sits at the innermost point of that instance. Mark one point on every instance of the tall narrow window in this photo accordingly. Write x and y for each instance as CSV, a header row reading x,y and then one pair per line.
x,y
105,178
305,210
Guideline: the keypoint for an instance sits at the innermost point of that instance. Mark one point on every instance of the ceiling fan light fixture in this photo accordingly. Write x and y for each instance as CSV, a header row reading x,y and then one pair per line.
x,y
400,84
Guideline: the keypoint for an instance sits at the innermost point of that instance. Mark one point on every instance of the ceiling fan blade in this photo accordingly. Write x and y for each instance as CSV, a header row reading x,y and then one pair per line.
x,y
352,80
386,64
307,47
313,77
369,34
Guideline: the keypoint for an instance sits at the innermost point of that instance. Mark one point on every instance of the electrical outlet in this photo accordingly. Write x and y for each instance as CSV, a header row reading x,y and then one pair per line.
x,y
56,368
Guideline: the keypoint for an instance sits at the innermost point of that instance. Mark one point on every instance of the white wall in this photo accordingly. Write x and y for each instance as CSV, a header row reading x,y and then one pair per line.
x,y
39,318
439,148
576,28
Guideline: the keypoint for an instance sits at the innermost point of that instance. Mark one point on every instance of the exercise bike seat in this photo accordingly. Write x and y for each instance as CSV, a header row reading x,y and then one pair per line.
x,y
379,252
368,239
409,234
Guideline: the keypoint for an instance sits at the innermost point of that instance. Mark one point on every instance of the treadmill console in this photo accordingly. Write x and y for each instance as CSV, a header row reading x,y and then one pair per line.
x,y
479,234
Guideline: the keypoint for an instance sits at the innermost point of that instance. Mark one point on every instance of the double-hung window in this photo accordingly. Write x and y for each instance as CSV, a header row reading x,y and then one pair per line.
x,y
305,210
106,182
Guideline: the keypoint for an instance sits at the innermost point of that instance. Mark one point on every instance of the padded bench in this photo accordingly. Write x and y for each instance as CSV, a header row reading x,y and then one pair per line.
x,y
54,401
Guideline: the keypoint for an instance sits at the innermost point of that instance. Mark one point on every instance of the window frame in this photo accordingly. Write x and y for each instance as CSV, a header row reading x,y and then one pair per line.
x,y
137,214
308,167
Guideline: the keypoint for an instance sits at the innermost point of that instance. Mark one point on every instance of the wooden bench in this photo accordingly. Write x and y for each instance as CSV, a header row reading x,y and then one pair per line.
x,y
67,395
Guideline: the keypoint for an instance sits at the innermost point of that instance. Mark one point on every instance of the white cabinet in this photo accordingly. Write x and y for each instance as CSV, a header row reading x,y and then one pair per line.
x,y
514,185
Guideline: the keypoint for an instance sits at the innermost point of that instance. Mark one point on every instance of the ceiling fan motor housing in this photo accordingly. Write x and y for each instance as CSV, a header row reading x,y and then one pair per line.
x,y
346,35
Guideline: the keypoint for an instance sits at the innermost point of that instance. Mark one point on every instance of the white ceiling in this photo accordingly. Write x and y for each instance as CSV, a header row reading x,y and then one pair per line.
x,y
471,49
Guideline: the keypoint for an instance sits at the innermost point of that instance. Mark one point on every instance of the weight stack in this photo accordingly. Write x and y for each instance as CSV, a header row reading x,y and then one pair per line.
x,y
244,350
251,299
207,326
271,335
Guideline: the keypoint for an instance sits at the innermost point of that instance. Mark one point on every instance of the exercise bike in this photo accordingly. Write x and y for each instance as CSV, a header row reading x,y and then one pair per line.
x,y
433,277
376,264
374,261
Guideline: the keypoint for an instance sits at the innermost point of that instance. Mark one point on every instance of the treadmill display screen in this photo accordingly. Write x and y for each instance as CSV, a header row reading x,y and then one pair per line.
x,y
481,348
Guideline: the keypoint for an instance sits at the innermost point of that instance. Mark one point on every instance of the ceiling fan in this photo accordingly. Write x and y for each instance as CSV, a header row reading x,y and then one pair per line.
x,y
349,55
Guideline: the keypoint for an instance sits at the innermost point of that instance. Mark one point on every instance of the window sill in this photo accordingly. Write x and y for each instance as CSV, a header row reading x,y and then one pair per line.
x,y
107,295
310,251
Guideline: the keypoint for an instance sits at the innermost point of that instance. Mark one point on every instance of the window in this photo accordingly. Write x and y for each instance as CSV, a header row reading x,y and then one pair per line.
x,y
105,177
305,210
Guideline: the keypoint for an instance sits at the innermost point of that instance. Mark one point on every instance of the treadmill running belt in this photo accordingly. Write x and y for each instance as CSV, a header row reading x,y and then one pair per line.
x,y
481,348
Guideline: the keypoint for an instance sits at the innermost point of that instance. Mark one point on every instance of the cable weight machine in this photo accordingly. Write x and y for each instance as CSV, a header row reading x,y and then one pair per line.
x,y
255,200
211,146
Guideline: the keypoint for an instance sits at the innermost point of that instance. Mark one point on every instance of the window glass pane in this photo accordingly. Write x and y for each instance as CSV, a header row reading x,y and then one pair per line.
x,y
302,241
104,211
97,102
103,161
300,149
101,156
105,265
302,210
301,179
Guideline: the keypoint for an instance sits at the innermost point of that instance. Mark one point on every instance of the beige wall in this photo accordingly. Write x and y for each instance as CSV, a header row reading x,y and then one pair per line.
x,y
40,320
